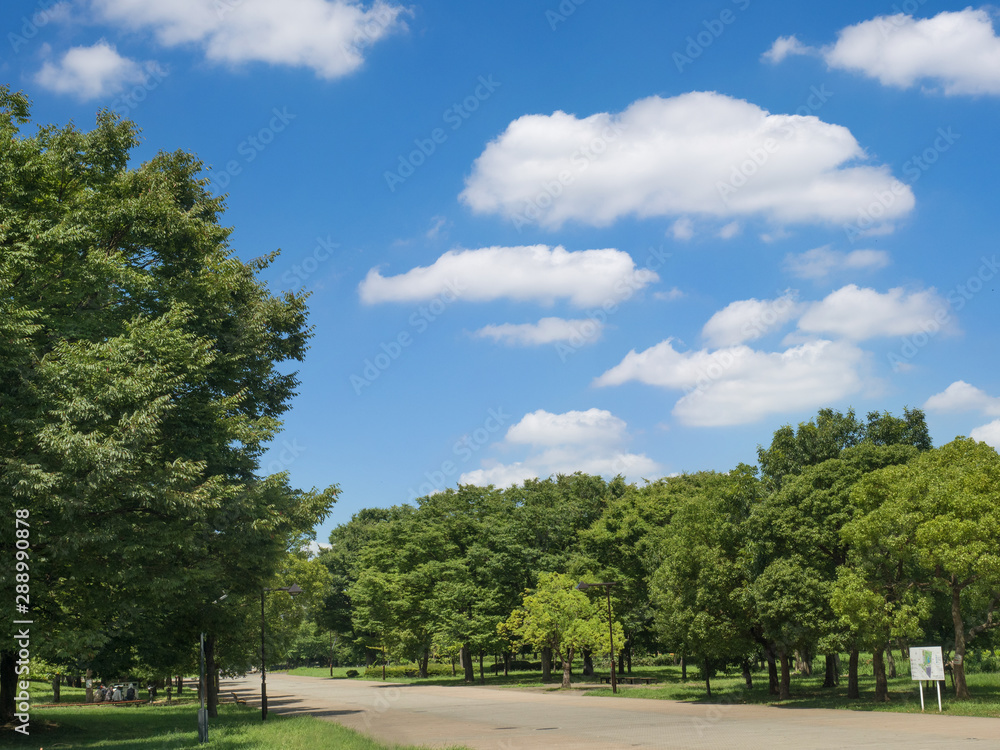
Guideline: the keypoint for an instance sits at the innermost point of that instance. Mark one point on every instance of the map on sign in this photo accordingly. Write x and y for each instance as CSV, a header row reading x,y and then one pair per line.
x,y
926,663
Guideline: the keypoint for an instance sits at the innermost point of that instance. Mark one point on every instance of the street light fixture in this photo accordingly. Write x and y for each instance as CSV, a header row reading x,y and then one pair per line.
x,y
611,628
292,590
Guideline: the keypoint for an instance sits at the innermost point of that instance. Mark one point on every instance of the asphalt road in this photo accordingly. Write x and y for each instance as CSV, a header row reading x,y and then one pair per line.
x,y
509,719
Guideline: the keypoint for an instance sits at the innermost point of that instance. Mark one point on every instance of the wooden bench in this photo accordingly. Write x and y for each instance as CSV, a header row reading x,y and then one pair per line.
x,y
237,700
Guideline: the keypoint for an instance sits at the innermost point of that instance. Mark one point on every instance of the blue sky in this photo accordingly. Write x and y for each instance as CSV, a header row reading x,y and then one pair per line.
x,y
541,237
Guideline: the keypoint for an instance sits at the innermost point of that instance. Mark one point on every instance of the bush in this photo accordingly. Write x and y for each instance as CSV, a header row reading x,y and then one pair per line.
x,y
353,673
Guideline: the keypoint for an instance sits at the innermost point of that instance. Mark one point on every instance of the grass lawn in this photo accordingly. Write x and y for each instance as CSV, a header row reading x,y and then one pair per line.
x,y
176,726
807,692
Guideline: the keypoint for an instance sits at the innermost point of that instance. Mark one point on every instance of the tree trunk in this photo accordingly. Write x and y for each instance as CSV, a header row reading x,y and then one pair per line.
x,y
784,689
453,672
958,663
212,693
90,686
567,667
588,663
180,684
506,662
890,660
708,679
465,656
56,680
803,662
684,669
831,676
878,668
482,677
621,661
628,654
424,658
546,664
747,674
773,684
852,675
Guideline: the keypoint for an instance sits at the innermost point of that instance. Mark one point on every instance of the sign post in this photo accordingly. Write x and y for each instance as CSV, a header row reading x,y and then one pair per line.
x,y
927,663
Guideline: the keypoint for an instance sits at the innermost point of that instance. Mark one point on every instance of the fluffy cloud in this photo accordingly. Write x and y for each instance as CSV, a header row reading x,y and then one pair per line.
x,y
545,331
748,320
988,433
699,153
90,72
960,396
327,36
538,273
821,261
957,50
589,441
738,385
783,47
860,313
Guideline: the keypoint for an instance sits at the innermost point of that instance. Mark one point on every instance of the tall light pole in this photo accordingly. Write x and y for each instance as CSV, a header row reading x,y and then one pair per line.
x,y
611,628
292,590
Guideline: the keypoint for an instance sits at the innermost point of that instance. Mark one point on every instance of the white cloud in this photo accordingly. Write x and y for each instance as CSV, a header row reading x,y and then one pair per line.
x,y
957,50
591,427
961,396
545,331
590,441
738,385
730,230
326,36
988,433
538,273
748,320
861,313
783,47
699,153
821,261
670,295
90,72
682,229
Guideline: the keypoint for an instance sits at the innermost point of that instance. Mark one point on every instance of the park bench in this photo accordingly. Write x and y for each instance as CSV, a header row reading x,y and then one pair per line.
x,y
237,700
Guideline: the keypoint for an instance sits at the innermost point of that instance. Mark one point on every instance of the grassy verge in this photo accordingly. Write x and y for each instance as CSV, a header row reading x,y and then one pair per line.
x,y
176,726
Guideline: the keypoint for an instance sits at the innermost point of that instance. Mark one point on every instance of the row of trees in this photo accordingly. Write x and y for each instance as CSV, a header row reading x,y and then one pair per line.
x,y
141,378
847,536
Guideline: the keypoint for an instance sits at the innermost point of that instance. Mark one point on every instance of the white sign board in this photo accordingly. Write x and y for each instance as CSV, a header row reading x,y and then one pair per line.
x,y
926,663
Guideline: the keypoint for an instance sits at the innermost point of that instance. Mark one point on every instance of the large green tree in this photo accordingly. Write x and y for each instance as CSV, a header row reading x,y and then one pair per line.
x,y
142,379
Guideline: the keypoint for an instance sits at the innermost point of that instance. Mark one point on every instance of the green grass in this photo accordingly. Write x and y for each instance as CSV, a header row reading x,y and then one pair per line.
x,y
176,726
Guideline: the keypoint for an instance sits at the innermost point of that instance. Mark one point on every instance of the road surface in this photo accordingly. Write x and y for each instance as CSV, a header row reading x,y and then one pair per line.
x,y
510,719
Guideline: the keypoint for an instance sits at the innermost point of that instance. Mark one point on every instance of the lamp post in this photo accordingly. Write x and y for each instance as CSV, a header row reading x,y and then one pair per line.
x,y
611,628
292,590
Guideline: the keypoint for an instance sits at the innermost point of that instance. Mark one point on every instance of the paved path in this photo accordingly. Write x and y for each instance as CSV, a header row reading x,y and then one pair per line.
x,y
509,719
